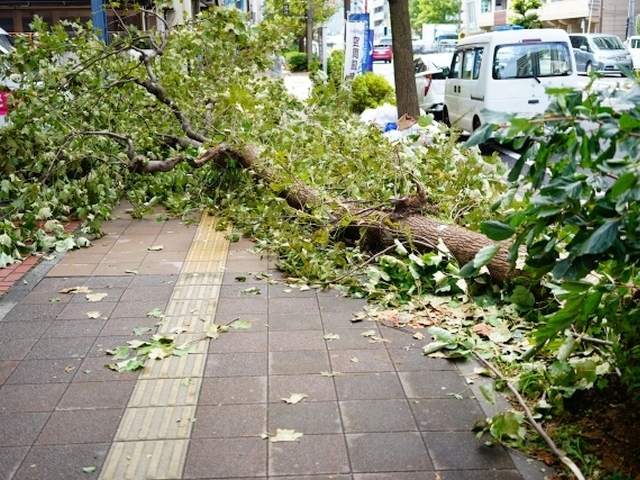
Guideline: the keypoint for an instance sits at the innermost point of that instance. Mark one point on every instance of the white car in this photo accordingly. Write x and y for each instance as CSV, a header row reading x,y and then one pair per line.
x,y
633,45
431,71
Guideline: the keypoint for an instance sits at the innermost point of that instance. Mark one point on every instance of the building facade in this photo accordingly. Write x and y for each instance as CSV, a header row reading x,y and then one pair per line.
x,y
574,16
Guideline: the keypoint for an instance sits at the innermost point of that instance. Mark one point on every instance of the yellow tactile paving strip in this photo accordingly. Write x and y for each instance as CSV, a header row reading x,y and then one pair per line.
x,y
152,439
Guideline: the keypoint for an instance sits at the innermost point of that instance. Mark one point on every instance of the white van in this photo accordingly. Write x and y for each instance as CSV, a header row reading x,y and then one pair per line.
x,y
6,42
633,45
506,71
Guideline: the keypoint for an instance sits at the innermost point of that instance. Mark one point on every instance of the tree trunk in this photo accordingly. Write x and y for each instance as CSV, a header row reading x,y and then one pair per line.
x,y
403,67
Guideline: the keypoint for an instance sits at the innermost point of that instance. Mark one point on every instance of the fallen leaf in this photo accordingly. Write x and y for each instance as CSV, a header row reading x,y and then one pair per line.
x,y
304,288
240,278
96,297
156,312
369,333
354,359
130,365
287,290
155,248
254,290
137,331
331,336
241,324
285,435
329,374
54,299
418,336
185,382
93,314
69,369
119,352
132,270
89,469
294,398
75,290
482,329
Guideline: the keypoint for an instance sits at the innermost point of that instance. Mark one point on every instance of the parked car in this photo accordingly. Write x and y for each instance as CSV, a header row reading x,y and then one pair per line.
x,y
431,71
633,45
506,71
6,42
600,52
382,53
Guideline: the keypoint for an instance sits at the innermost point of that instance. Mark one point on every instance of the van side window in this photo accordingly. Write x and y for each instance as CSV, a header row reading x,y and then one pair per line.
x,y
532,60
478,63
456,64
467,64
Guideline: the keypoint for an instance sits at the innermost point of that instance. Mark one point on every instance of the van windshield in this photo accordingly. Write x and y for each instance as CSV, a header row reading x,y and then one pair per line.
x,y
532,60
608,43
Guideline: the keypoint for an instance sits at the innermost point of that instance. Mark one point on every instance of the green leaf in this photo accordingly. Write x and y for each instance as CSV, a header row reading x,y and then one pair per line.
x,y
623,183
119,352
485,255
89,469
480,135
601,239
522,297
141,330
496,230
241,324
130,365
156,313
488,393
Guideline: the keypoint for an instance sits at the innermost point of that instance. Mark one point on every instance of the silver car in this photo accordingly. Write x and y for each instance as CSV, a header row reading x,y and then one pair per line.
x,y
600,52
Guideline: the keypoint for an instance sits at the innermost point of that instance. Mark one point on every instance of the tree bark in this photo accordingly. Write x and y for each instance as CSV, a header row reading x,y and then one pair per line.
x,y
403,67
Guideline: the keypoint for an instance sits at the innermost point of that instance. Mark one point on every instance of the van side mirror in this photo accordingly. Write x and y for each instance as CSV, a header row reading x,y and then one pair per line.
x,y
584,48
446,71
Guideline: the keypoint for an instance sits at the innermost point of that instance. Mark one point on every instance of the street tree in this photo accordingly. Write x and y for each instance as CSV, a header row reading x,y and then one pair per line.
x,y
433,11
404,70
526,15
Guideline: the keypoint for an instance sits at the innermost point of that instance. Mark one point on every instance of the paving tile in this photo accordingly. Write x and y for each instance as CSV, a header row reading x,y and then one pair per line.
x,y
463,451
34,313
78,311
317,387
413,360
360,416
308,418
230,421
338,303
114,294
92,369
447,414
80,426
165,392
489,474
333,320
247,267
239,364
150,266
233,390
297,362
285,306
16,349
290,292
371,386
92,395
239,341
62,462
6,369
388,452
138,309
182,367
432,384
59,370
13,330
30,398
353,337
161,280
351,361
248,306
45,296
66,269
240,291
75,328
21,428
310,455
145,460
156,423
291,322
226,458
296,340
398,476
10,460
135,293
51,347
125,326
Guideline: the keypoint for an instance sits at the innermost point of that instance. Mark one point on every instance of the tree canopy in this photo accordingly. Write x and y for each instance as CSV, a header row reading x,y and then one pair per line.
x,y
433,11
525,17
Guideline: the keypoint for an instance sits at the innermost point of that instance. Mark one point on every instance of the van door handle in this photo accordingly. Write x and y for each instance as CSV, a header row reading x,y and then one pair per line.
x,y
534,101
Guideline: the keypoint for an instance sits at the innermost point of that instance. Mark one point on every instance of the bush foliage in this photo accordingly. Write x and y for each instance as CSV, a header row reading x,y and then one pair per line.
x,y
370,91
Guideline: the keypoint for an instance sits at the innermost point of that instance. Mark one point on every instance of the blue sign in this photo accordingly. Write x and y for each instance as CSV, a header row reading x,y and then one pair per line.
x,y
367,50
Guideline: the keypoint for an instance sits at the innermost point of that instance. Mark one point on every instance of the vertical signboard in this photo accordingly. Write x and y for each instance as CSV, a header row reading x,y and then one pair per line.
x,y
358,52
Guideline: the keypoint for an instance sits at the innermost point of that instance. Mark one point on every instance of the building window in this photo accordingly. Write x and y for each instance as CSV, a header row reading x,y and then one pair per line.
x,y
485,6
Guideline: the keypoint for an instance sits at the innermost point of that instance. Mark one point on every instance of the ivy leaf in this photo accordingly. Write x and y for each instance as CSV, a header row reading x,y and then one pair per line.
x,y
241,324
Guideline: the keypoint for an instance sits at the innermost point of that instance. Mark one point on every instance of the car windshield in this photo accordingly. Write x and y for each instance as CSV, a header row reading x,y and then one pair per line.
x,y
532,60
608,43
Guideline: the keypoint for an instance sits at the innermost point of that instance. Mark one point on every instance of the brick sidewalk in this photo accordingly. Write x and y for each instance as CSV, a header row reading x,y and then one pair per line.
x,y
373,410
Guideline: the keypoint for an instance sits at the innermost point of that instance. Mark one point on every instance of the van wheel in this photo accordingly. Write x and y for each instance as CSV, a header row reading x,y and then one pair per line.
x,y
588,68
445,117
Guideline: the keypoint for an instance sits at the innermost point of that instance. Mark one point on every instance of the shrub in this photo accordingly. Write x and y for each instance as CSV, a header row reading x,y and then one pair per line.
x,y
296,61
370,91
335,66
